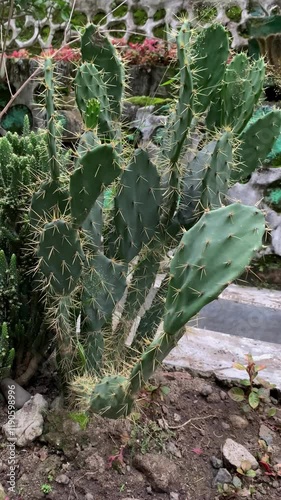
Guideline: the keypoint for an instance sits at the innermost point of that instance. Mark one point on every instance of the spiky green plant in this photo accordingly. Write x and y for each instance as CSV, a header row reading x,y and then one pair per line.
x,y
90,256
6,354
23,165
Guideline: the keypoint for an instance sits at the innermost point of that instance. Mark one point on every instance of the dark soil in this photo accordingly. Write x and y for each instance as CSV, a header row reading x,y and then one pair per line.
x,y
162,452
264,273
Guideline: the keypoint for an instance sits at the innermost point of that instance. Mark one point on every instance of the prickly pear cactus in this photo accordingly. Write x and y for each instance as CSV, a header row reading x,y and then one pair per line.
x,y
91,256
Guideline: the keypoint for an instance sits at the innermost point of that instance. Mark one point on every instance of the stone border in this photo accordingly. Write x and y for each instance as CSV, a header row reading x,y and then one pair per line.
x,y
212,354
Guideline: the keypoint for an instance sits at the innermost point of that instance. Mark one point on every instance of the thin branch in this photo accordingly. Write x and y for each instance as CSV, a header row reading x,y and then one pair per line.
x,y
68,22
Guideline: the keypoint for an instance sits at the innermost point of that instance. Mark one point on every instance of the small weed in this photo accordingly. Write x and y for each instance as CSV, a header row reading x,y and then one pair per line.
x,y
117,461
147,435
251,393
46,489
245,469
122,487
235,489
80,418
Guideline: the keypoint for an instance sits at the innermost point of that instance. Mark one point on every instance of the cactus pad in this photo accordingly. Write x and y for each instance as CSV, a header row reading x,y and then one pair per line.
x,y
137,206
97,169
60,256
211,255
110,397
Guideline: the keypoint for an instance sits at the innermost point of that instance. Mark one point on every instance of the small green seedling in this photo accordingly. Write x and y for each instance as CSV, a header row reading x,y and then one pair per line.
x,y
245,469
46,489
252,394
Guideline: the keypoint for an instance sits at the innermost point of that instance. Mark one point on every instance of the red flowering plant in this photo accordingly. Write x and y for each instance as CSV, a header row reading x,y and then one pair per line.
x,y
151,52
65,54
18,54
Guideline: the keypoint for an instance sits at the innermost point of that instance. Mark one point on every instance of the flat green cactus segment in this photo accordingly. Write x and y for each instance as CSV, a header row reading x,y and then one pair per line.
x,y
93,350
257,141
93,224
137,206
60,256
92,113
90,86
241,89
104,283
181,119
190,206
110,398
215,181
87,142
97,48
97,169
210,255
208,65
49,202
236,90
51,126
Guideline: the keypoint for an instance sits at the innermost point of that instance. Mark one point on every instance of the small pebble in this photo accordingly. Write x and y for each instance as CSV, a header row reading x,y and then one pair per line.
x,y
62,479
213,398
89,496
222,477
223,395
216,462
238,422
177,417
206,390
149,490
225,426
174,496
275,484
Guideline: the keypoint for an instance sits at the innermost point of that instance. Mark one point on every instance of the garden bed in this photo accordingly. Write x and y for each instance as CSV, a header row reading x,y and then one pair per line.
x,y
170,448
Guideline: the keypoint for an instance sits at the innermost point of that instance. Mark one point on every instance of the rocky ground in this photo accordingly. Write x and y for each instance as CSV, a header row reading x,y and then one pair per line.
x,y
185,441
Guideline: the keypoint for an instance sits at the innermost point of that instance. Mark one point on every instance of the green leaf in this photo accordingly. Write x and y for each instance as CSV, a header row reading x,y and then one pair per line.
x,y
168,82
251,473
236,394
254,400
245,382
271,412
238,366
165,390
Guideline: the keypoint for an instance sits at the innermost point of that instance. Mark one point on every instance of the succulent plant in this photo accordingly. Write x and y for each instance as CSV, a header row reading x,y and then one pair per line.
x,y
89,256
